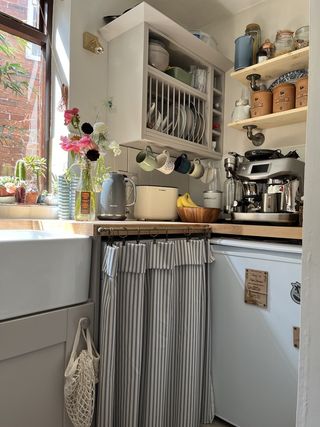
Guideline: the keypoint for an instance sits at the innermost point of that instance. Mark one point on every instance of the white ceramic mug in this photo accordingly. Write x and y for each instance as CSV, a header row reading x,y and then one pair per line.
x,y
197,169
208,174
164,163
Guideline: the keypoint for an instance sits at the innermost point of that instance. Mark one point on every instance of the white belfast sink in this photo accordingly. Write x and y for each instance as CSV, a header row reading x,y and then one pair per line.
x,y
42,270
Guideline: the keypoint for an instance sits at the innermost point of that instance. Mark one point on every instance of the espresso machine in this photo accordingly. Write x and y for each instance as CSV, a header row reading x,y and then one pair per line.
x,y
267,191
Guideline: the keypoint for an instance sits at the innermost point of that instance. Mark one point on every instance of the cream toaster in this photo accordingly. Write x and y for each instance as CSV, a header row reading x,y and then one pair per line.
x,y
156,203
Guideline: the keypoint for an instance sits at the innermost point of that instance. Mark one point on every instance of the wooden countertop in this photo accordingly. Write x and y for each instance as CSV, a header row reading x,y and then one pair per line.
x,y
123,228
270,231
106,228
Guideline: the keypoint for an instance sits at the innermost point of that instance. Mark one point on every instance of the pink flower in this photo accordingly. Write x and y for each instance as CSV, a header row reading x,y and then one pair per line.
x,y
69,115
69,145
85,142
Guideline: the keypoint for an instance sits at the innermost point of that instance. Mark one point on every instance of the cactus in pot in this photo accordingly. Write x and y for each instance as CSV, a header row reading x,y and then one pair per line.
x,y
29,172
21,170
21,175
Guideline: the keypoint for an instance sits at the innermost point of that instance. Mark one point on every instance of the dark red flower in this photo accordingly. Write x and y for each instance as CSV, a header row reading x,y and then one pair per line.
x,y
92,155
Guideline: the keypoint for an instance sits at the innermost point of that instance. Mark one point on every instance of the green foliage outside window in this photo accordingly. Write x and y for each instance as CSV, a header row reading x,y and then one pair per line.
x,y
12,74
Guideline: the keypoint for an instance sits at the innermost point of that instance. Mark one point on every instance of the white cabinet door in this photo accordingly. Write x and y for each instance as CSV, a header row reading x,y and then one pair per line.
x,y
254,362
34,351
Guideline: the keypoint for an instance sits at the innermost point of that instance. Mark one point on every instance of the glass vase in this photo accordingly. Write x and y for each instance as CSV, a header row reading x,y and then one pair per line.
x,y
85,209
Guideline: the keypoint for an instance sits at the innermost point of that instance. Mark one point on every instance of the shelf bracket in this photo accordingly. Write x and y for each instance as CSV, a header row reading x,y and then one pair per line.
x,y
253,81
256,139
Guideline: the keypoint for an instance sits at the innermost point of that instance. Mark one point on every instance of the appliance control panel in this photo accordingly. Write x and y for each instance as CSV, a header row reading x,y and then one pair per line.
x,y
265,169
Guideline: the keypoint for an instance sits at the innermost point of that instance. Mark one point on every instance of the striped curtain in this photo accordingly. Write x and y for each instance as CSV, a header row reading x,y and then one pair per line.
x,y
155,335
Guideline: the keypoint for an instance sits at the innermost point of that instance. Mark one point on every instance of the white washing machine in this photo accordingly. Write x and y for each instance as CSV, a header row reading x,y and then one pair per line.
x,y
255,362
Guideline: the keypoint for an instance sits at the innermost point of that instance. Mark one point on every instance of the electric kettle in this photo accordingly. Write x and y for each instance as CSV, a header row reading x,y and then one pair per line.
x,y
113,203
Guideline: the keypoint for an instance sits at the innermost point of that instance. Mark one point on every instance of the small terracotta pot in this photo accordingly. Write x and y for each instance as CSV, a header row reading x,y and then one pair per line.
x,y
283,97
261,103
302,92
31,197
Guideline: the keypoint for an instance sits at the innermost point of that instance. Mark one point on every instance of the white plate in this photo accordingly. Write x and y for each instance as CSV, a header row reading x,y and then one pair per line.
x,y
194,124
197,125
172,125
183,121
202,128
189,123
154,118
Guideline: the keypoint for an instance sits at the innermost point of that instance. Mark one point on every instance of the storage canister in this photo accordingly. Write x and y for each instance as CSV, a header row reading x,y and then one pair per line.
x,y
243,52
302,92
284,42
261,103
283,97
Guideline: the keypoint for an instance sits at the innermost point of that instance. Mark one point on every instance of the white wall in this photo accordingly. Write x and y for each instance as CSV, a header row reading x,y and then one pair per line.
x,y
309,383
272,16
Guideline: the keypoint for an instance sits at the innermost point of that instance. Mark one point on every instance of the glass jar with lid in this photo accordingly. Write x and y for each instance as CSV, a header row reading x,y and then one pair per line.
x,y
301,37
284,42
254,31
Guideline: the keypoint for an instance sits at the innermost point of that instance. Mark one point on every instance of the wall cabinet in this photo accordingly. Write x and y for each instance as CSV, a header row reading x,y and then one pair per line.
x,y
33,354
150,107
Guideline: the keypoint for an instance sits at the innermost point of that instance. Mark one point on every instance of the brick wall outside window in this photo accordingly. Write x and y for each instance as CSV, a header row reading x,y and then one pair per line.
x,y
21,125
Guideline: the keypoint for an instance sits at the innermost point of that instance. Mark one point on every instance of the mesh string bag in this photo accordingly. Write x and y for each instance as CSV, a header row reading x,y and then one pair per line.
x,y
81,376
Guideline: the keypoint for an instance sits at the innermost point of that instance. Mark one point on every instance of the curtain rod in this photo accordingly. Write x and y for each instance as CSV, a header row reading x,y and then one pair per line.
x,y
152,232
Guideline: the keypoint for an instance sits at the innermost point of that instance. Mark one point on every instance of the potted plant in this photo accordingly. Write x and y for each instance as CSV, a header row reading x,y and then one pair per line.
x,y
29,172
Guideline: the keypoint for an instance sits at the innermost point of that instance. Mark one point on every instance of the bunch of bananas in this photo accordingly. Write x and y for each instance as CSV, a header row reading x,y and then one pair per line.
x,y
185,201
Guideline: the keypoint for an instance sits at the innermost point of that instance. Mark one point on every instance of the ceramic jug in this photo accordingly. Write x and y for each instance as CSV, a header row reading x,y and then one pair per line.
x,y
113,203
240,112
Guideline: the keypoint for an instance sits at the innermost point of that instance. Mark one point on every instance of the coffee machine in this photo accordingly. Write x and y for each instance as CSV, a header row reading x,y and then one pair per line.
x,y
263,190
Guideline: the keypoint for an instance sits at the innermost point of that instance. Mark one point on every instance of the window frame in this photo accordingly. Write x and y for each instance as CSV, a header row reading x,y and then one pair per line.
x,y
41,37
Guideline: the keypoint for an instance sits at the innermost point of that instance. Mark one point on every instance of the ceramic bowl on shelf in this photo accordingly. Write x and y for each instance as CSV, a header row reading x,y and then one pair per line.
x,y
290,77
199,214
158,55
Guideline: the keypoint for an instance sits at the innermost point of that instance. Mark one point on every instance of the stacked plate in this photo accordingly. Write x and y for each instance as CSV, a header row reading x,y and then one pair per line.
x,y
181,121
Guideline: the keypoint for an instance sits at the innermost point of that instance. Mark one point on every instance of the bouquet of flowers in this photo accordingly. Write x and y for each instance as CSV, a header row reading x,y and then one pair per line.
x,y
87,145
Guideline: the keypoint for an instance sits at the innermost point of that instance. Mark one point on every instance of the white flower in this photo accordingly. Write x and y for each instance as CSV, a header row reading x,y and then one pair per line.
x,y
100,127
115,147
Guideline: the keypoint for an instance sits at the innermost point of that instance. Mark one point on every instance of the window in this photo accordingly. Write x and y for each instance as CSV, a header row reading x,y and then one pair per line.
x,y
25,27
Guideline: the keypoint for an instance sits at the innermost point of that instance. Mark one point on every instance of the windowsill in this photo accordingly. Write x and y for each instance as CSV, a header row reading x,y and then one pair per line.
x,y
20,211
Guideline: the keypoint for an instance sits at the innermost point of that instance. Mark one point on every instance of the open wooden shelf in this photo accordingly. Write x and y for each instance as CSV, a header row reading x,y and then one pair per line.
x,y
289,117
273,68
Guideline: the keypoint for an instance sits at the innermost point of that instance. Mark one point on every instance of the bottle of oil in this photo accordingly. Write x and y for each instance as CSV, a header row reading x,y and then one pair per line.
x,y
85,209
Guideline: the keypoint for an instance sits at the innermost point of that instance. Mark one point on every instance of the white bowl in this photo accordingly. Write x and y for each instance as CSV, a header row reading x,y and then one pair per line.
x,y
7,199
158,56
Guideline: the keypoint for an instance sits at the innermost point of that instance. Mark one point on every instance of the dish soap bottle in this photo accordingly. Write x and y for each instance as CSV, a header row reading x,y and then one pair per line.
x,y
85,209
